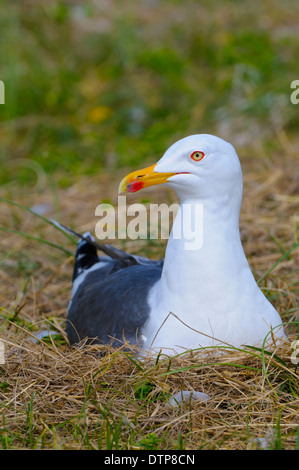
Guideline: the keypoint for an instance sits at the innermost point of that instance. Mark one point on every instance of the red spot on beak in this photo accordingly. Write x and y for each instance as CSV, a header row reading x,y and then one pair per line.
x,y
135,186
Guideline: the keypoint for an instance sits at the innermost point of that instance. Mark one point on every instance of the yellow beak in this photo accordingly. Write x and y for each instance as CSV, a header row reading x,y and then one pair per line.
x,y
144,178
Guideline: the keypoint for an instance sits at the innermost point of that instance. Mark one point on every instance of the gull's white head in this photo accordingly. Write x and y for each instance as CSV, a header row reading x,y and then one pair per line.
x,y
200,166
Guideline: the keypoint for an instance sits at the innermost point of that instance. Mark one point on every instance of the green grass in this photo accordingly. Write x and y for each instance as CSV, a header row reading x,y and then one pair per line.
x,y
78,100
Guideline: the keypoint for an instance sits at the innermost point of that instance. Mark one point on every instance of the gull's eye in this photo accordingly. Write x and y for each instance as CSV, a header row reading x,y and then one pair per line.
x,y
197,155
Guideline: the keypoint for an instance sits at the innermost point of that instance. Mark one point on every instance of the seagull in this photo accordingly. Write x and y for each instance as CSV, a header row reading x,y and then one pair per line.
x,y
202,294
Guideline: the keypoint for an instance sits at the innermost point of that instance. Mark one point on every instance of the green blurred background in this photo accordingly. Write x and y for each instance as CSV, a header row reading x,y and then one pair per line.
x,y
102,84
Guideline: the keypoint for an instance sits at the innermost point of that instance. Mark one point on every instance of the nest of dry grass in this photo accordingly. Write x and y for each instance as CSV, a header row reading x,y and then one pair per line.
x,y
55,396
91,397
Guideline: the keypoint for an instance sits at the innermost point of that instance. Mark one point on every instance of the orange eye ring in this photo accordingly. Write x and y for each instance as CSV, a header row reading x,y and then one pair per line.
x,y
197,155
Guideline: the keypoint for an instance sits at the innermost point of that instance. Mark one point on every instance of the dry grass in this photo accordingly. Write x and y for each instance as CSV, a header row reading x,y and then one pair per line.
x,y
54,396
66,398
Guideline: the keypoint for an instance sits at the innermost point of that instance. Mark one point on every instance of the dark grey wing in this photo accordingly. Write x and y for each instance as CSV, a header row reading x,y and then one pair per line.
x,y
109,297
112,308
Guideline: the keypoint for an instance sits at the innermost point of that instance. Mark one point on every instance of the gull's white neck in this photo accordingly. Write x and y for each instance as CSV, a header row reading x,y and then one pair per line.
x,y
215,253
211,289
215,244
